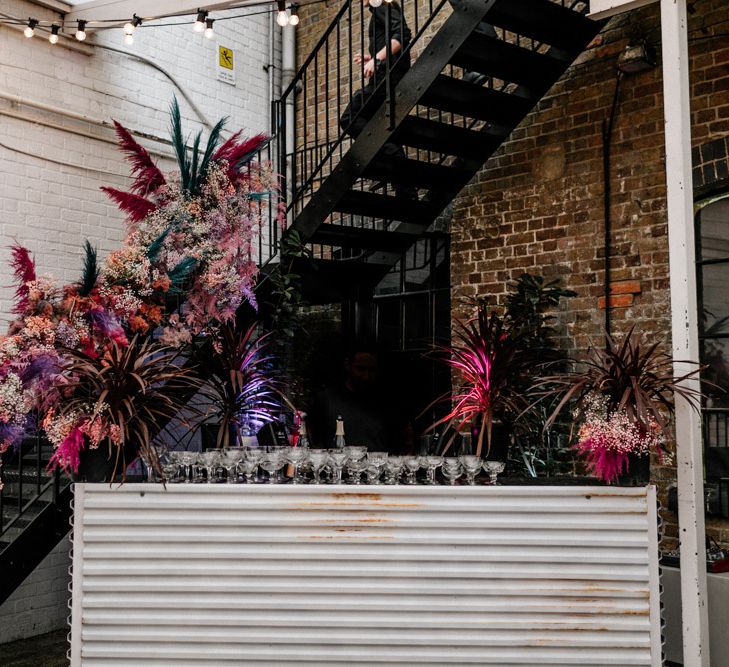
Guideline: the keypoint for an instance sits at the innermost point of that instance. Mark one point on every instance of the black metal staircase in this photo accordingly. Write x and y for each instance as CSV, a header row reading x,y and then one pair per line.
x,y
35,507
448,125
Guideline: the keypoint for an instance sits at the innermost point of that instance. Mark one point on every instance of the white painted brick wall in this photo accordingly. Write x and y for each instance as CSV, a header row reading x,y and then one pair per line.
x,y
53,208
39,604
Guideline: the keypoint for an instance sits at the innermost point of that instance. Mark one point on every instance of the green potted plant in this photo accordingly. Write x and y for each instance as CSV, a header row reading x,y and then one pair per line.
x,y
622,401
113,406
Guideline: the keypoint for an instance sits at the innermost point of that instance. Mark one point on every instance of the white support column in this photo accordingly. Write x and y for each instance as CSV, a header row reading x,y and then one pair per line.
x,y
684,317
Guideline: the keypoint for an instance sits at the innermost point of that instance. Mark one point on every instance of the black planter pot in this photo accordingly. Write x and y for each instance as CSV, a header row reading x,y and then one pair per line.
x,y
500,441
638,473
97,465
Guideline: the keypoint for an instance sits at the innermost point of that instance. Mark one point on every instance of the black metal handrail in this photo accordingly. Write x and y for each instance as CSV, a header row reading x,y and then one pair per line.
x,y
327,79
15,507
324,101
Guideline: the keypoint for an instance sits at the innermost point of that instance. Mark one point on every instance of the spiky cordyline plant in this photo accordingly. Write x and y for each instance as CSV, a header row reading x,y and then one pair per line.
x,y
490,364
243,384
137,388
631,376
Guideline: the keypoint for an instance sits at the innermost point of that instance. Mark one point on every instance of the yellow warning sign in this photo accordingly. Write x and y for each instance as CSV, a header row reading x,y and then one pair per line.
x,y
225,57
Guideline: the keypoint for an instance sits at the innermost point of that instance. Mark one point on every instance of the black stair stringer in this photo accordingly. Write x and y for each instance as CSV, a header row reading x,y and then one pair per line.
x,y
410,89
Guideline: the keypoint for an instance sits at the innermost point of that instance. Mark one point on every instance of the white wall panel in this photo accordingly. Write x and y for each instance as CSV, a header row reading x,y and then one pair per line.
x,y
322,575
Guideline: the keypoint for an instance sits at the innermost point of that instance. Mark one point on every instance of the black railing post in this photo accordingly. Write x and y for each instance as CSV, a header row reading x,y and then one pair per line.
x,y
20,478
389,92
2,496
39,464
56,485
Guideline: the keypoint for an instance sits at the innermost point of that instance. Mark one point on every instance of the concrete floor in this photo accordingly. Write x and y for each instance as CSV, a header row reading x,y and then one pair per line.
x,y
43,651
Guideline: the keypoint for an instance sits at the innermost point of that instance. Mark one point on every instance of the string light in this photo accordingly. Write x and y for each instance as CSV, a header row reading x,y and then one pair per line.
x,y
209,33
199,26
131,26
129,29
282,18
30,29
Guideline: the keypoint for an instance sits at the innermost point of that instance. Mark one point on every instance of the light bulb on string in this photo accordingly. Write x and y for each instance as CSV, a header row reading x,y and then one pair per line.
x,y
294,18
131,26
282,18
81,30
30,28
200,20
53,37
209,32
129,29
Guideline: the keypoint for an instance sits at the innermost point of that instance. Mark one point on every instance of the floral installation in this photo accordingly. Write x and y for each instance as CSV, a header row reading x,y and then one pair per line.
x,y
185,266
606,439
622,398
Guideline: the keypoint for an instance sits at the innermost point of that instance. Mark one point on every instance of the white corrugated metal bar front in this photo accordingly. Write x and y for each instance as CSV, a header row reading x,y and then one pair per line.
x,y
199,575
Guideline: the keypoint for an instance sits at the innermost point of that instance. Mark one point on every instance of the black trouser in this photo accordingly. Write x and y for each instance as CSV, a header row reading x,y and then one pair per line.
x,y
353,122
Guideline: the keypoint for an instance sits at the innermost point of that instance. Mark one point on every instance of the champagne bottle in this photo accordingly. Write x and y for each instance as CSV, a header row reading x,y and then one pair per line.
x,y
339,433
303,435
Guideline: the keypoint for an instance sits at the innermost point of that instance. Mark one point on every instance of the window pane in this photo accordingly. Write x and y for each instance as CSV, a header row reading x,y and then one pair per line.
x,y
715,314
715,230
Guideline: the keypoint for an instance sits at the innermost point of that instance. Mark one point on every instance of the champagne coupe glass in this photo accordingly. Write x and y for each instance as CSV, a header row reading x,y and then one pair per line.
x,y
147,460
249,466
451,469
412,465
472,466
355,468
356,453
187,459
170,471
375,464
493,468
338,459
211,461
393,468
272,462
296,456
431,463
230,458
173,458
318,459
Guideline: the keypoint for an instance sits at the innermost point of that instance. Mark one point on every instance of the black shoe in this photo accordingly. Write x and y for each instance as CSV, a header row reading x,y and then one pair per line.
x,y
476,78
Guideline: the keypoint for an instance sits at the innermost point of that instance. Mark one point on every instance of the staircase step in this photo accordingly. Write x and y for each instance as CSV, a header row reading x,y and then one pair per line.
x,y
364,239
431,135
509,62
466,99
544,21
413,173
374,205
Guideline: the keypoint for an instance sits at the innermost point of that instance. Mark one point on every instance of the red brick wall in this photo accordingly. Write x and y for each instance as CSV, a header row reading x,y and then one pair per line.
x,y
537,206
